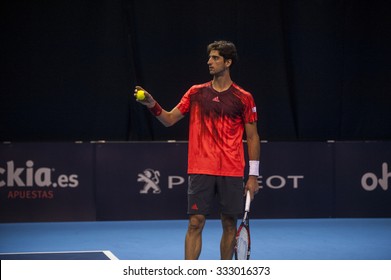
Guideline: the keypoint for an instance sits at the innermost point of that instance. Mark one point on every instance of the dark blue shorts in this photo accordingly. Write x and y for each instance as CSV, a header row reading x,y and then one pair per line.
x,y
203,189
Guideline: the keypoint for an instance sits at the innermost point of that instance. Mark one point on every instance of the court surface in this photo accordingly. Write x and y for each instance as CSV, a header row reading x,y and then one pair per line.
x,y
272,239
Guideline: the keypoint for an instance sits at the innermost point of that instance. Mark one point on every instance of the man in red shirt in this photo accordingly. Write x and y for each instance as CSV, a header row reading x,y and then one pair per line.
x,y
220,112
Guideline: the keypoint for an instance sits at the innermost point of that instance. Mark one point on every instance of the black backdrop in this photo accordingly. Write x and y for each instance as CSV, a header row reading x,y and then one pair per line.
x,y
318,69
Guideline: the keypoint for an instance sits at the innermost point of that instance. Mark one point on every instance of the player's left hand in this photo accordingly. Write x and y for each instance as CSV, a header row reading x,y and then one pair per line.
x,y
252,186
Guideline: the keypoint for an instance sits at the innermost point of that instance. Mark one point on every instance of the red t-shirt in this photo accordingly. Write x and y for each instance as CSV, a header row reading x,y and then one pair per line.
x,y
216,128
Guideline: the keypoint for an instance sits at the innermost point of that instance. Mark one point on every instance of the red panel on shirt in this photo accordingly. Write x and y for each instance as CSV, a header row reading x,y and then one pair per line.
x,y
216,128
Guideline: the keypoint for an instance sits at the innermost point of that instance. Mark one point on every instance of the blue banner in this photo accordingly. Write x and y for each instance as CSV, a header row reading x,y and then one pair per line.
x,y
46,182
141,181
148,180
363,179
296,180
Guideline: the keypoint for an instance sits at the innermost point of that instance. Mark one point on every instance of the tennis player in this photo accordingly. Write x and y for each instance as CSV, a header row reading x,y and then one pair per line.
x,y
220,113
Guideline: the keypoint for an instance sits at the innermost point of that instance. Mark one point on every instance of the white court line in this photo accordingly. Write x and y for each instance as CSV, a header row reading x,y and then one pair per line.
x,y
107,253
110,255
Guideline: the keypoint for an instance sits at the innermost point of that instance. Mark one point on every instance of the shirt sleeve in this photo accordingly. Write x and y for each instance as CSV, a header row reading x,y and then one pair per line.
x,y
184,104
250,112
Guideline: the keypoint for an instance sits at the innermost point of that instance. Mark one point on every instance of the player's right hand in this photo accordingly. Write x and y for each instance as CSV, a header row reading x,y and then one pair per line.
x,y
148,100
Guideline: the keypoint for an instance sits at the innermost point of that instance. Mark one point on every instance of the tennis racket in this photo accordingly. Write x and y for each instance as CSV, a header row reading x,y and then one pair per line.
x,y
243,242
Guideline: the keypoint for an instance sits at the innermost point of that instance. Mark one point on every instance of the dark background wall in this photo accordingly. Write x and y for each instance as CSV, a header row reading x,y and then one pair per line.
x,y
318,69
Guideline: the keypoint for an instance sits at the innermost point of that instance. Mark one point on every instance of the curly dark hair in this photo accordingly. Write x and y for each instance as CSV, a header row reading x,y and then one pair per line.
x,y
226,49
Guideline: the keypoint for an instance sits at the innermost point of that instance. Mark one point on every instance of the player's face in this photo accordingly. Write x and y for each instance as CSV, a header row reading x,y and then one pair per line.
x,y
217,64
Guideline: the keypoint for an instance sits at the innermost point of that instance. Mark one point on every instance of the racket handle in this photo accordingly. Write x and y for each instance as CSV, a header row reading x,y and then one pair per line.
x,y
248,202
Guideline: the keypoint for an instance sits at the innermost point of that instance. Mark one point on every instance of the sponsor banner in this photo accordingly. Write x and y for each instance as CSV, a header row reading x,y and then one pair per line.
x,y
149,181
141,181
363,179
46,182
295,180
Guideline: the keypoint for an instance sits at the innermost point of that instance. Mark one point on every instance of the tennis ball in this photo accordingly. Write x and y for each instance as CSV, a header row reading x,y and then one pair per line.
x,y
140,95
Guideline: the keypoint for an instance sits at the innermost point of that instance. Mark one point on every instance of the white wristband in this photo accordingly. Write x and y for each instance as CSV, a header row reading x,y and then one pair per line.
x,y
254,168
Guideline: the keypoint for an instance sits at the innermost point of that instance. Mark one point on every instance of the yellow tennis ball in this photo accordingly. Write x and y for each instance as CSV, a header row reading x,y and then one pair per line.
x,y
140,95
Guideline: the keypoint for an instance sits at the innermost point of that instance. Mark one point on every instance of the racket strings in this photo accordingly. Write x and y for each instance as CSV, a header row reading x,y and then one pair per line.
x,y
242,245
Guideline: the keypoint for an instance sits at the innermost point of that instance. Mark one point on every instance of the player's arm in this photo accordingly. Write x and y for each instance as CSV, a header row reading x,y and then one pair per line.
x,y
254,151
167,118
170,118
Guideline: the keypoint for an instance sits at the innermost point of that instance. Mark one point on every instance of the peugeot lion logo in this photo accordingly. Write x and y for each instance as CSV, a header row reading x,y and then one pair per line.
x,y
150,178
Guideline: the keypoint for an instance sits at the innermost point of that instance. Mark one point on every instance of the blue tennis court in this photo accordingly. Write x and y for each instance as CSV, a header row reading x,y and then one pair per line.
x,y
272,239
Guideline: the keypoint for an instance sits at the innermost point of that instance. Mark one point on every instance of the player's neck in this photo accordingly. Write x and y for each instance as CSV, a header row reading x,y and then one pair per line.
x,y
221,83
